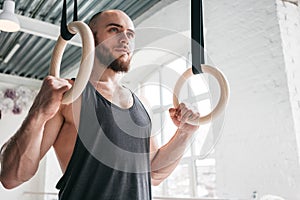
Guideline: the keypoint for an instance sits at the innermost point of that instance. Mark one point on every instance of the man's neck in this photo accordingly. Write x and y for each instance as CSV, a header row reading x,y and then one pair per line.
x,y
102,73
107,83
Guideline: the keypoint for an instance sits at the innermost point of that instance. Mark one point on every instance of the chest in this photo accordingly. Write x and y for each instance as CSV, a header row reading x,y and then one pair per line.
x,y
121,97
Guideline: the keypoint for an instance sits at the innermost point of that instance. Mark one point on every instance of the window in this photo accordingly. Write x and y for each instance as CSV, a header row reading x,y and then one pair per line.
x,y
195,175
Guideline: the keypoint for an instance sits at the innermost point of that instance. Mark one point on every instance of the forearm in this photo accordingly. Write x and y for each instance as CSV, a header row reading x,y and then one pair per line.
x,y
22,153
20,156
168,156
159,175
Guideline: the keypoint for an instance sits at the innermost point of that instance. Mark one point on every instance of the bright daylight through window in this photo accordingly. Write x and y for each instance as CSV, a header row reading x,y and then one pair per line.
x,y
195,175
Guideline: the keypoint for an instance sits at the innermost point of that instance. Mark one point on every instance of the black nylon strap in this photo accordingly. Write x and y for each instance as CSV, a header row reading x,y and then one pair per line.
x,y
197,36
75,17
64,32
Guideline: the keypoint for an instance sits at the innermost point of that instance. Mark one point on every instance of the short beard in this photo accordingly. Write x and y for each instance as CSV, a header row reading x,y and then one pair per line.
x,y
106,58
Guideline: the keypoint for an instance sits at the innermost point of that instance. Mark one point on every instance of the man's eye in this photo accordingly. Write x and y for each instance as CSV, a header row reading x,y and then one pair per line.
x,y
130,35
113,30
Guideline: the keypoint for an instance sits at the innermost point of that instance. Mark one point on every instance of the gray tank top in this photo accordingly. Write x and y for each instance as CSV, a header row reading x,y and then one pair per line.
x,y
110,160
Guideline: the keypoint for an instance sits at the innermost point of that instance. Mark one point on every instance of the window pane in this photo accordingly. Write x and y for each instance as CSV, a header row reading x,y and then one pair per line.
x,y
179,65
204,140
199,84
167,96
190,178
178,182
206,178
151,94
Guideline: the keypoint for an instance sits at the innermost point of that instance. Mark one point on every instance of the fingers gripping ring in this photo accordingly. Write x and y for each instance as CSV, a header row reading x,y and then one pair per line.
x,y
86,63
224,94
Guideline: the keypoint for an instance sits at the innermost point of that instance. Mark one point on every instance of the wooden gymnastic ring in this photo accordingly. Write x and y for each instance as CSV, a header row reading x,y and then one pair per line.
x,y
224,92
86,63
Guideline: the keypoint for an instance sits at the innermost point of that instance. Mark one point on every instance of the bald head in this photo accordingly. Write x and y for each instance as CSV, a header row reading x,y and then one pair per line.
x,y
106,15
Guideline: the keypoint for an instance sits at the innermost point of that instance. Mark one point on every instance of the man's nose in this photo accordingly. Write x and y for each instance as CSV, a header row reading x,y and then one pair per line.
x,y
124,38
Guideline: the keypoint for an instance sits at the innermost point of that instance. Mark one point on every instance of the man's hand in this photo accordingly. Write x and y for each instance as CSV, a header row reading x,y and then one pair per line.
x,y
49,98
181,115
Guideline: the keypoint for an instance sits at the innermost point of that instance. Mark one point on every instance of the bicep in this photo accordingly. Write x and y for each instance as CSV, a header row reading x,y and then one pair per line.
x,y
50,133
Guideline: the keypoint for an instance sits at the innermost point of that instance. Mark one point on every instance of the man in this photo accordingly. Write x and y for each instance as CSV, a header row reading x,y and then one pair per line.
x,y
106,151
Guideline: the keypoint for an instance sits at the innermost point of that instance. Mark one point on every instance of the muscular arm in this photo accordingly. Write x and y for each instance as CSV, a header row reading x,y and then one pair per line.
x,y
165,159
20,156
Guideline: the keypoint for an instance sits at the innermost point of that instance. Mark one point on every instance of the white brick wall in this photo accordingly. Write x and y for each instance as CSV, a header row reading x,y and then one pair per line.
x,y
258,151
289,21
295,2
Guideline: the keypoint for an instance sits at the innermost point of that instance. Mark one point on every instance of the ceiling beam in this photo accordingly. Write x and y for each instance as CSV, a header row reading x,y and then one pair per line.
x,y
153,10
17,80
43,29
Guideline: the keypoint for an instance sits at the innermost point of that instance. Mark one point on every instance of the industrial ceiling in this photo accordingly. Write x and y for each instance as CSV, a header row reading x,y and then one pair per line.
x,y
28,55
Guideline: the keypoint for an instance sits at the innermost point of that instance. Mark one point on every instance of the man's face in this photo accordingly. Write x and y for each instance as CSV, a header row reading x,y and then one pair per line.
x,y
115,40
